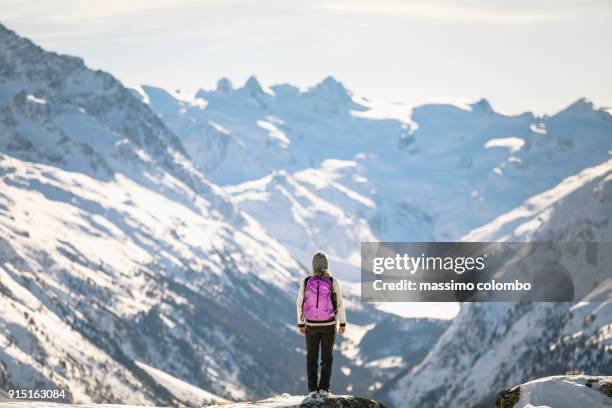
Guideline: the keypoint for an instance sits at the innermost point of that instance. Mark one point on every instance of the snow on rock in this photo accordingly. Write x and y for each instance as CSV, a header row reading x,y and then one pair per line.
x,y
563,391
300,401
514,144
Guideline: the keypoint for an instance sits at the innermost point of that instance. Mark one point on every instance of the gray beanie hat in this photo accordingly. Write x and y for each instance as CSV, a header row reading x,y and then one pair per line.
x,y
319,263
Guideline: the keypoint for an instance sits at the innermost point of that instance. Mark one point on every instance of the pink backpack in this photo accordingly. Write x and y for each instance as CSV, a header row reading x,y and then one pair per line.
x,y
319,299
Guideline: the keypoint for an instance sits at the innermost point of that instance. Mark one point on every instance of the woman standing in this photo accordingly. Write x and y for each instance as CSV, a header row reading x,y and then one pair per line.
x,y
319,307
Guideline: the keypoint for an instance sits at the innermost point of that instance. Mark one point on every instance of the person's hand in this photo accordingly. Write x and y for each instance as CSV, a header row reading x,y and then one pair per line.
x,y
341,330
302,330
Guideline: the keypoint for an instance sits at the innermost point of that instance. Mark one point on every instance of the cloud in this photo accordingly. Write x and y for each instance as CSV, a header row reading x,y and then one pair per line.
x,y
445,11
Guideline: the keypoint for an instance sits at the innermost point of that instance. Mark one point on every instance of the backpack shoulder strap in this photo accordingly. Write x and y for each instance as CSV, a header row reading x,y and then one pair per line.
x,y
334,297
306,279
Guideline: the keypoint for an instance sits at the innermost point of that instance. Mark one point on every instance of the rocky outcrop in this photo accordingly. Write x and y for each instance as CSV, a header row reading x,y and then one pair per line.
x,y
300,401
284,401
562,391
508,398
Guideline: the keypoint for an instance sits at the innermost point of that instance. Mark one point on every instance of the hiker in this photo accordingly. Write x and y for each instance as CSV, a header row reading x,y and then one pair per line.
x,y
319,307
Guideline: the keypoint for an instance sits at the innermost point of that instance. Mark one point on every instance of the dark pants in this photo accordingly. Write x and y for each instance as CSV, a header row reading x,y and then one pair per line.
x,y
324,337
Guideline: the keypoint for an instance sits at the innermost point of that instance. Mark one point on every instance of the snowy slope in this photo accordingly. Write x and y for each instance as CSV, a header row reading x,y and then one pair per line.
x,y
313,209
265,137
136,246
576,208
184,392
121,264
490,346
437,175
566,392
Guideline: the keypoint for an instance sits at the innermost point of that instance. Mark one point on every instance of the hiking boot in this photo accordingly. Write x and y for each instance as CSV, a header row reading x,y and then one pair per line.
x,y
324,393
313,394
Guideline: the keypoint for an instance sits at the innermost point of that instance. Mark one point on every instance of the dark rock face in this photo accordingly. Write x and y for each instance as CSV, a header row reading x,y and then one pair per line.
x,y
606,388
343,402
508,398
602,385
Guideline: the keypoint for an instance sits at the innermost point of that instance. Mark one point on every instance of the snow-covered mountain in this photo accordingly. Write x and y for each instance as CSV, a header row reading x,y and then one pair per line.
x,y
313,208
113,239
151,243
578,209
317,169
124,271
491,346
321,162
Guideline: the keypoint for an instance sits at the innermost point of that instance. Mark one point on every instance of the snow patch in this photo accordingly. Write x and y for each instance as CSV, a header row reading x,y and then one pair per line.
x,y
275,133
34,99
513,143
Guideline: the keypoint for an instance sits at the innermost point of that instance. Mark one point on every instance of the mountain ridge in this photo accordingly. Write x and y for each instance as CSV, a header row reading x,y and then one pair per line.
x,y
443,172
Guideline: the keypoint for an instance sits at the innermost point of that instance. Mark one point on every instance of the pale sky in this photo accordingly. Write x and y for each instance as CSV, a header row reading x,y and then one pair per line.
x,y
521,55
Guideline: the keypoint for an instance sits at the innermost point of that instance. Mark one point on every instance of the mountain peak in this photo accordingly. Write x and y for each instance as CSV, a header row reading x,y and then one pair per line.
x,y
224,85
329,95
14,47
252,84
332,86
330,81
161,100
581,105
482,105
